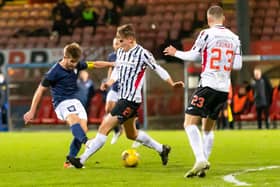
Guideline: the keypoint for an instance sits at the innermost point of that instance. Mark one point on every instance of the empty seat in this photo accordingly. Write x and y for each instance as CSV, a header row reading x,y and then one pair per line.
x,y
96,109
45,112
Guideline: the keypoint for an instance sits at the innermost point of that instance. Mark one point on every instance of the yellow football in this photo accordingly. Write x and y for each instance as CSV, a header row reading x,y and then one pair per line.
x,y
130,158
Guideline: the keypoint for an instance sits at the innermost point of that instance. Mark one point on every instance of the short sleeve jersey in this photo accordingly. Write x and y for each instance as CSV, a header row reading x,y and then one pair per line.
x,y
62,82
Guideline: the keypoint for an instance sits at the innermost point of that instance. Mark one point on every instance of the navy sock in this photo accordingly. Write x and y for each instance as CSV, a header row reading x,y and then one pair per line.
x,y
75,147
79,133
116,129
138,124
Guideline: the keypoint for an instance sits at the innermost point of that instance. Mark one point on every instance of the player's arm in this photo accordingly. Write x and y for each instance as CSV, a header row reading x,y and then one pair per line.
x,y
110,81
35,102
191,55
237,62
99,64
110,70
163,74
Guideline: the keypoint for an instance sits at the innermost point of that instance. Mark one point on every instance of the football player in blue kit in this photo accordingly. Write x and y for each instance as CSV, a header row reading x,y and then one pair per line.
x,y
62,81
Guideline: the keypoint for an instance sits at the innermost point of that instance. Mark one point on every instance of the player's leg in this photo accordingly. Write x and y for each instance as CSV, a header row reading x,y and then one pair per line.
x,y
217,102
208,126
76,145
196,144
111,100
101,137
136,144
120,113
117,130
140,136
73,112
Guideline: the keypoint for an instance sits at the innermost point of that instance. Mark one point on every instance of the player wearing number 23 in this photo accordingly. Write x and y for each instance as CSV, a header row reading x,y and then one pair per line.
x,y
219,51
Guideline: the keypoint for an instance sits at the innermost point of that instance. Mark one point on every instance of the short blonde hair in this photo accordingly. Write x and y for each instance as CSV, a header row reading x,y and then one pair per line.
x,y
125,31
216,12
73,50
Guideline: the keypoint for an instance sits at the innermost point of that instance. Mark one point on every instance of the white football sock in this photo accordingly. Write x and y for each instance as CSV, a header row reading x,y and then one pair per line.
x,y
195,142
148,141
208,139
94,146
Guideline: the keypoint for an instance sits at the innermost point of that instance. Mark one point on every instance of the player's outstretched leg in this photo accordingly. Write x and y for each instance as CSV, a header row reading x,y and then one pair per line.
x,y
116,134
148,141
199,169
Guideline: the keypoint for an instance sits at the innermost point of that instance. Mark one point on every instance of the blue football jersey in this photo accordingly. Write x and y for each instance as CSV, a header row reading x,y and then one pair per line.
x,y
62,82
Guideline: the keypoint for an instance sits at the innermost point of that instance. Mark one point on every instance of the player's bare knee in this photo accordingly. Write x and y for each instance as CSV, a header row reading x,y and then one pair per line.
x,y
131,136
72,119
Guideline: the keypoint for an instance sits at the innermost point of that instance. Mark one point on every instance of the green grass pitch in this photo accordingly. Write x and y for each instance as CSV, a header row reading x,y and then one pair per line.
x,y
36,159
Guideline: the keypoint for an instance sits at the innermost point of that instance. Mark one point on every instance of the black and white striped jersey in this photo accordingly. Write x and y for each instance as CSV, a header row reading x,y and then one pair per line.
x,y
130,71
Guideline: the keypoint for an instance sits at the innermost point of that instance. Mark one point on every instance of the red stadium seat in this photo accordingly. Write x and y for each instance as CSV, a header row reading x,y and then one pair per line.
x,y
96,109
45,112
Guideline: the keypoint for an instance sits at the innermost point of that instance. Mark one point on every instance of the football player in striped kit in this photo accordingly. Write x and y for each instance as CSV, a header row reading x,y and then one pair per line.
x,y
219,51
131,63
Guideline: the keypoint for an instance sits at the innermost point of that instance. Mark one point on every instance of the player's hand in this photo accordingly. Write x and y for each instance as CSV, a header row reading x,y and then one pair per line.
x,y
104,86
28,116
170,50
178,84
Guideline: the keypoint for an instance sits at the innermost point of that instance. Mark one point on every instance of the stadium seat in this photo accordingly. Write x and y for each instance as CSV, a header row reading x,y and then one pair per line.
x,y
269,22
64,40
96,109
275,106
76,38
273,4
178,16
45,112
148,44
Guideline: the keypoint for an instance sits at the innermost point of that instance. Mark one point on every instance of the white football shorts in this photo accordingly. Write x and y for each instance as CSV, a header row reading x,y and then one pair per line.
x,y
112,96
70,106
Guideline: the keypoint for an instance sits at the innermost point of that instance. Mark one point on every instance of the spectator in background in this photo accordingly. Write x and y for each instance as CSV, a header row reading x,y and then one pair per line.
x,y
60,26
118,3
86,89
134,9
89,17
2,3
77,13
111,16
263,97
62,9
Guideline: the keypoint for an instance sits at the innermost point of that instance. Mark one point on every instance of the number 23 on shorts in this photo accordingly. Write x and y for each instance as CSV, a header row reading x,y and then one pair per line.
x,y
197,101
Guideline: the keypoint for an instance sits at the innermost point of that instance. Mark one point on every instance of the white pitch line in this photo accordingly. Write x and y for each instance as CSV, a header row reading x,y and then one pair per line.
x,y
231,177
